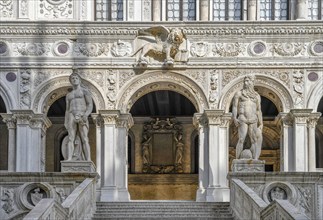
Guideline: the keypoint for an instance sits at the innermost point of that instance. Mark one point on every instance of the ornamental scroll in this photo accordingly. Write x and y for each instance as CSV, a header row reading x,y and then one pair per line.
x,y
162,146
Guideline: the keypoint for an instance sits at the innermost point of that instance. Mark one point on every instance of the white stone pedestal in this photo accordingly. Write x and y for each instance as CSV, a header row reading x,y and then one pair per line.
x,y
248,165
77,166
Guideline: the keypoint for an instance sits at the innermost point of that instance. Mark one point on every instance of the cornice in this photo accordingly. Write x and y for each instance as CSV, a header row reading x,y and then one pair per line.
x,y
189,28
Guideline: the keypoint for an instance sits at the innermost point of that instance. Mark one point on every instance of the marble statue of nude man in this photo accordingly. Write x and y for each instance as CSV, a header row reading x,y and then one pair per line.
x,y
247,116
78,108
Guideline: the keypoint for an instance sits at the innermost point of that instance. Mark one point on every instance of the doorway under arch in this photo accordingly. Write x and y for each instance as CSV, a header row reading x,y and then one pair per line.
x,y
160,145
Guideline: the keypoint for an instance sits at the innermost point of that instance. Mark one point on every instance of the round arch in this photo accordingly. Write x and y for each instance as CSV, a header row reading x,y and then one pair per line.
x,y
8,97
58,87
154,81
315,95
278,94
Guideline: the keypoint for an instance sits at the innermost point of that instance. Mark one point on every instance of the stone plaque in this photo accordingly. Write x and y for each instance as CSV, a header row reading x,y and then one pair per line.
x,y
162,152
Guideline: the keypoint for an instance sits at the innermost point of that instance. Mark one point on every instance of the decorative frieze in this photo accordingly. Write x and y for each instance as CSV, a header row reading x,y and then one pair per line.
x,y
121,48
91,49
31,49
228,49
289,49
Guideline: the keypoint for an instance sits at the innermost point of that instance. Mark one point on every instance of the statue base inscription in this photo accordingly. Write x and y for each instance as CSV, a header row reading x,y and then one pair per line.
x,y
77,167
248,165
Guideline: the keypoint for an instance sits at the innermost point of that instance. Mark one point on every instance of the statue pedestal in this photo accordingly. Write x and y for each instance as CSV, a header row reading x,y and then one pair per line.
x,y
248,165
77,167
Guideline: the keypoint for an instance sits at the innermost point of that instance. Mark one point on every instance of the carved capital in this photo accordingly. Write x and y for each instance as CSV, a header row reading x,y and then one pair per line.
x,y
286,119
97,119
109,117
214,117
40,121
300,116
22,116
28,117
312,120
199,120
9,120
125,121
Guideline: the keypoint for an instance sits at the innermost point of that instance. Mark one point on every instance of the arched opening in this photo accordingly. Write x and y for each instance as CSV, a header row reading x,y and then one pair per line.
x,y
270,151
57,132
319,137
3,138
160,143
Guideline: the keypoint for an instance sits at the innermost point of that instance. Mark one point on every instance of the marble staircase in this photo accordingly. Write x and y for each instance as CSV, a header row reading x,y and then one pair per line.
x,y
162,210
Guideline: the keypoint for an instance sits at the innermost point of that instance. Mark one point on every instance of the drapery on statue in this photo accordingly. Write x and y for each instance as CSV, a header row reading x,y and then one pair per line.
x,y
166,43
146,152
247,116
78,108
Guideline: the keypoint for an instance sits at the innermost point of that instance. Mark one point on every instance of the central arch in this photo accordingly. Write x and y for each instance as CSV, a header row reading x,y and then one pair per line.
x,y
156,80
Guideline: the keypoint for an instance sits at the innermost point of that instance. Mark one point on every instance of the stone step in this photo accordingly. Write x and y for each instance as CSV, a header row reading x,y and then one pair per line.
x,y
162,210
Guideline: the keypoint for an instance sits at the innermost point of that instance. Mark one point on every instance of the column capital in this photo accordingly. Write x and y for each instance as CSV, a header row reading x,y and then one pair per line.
x,y
199,120
217,117
125,121
34,120
109,117
313,118
300,116
286,119
9,120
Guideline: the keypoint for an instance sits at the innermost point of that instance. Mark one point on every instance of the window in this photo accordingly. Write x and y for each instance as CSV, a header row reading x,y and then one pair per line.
x,y
227,10
274,9
315,9
109,10
181,10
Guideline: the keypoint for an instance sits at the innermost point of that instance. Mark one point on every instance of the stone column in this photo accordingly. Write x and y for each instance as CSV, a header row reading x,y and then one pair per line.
x,y
300,141
157,8
124,122
286,143
204,10
252,10
218,159
30,144
109,191
314,117
201,124
301,10
11,124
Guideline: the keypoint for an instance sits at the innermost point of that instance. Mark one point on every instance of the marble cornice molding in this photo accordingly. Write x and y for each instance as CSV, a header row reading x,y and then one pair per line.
x,y
130,28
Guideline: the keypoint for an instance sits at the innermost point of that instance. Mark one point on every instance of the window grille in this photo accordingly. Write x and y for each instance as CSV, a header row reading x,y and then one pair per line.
x,y
109,10
315,9
227,10
274,9
181,10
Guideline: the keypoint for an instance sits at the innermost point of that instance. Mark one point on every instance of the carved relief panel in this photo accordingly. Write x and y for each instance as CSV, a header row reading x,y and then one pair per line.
x,y
162,146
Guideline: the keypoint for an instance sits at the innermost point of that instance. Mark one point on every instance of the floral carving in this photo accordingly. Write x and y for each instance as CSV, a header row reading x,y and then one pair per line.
x,y
121,49
200,77
200,49
228,49
111,87
25,89
8,200
305,199
298,86
56,8
32,49
213,94
288,49
6,8
91,49
125,77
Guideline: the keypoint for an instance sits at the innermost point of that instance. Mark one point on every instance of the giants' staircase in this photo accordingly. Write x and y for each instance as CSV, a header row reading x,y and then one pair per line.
x,y
162,210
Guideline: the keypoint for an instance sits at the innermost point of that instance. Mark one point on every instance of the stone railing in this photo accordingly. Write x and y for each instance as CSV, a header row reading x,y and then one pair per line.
x,y
288,195
22,192
282,209
80,204
244,202
47,209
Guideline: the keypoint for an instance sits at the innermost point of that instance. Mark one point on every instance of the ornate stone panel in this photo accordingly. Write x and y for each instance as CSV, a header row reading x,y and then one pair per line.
x,y
56,9
7,9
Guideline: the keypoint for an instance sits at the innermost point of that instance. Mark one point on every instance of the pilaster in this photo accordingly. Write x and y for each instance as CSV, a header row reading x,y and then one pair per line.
x,y
124,122
156,10
252,10
311,124
204,10
30,140
11,124
218,124
200,123
301,10
300,141
286,142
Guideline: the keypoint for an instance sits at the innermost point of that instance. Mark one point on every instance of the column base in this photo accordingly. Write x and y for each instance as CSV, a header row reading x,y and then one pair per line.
x,y
218,194
123,195
108,194
77,166
248,165
201,195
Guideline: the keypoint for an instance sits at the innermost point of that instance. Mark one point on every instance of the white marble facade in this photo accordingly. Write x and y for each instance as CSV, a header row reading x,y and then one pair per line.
x,y
37,59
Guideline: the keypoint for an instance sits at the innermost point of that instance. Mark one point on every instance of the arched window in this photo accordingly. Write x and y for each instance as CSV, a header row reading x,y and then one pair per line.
x,y
181,10
227,10
274,9
315,9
